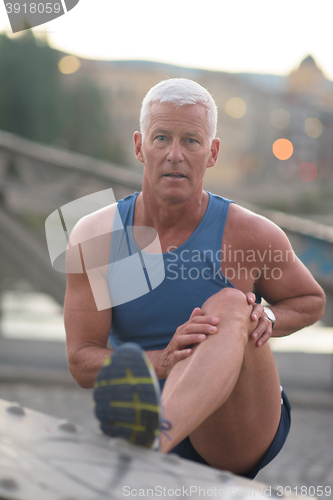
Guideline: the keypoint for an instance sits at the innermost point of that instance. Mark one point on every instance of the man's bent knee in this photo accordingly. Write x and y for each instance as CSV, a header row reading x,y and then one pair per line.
x,y
230,303
225,300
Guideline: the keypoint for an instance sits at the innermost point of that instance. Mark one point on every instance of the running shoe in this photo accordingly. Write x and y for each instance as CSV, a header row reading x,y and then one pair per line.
x,y
127,397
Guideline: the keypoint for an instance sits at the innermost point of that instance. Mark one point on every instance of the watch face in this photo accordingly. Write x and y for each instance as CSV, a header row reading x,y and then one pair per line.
x,y
269,313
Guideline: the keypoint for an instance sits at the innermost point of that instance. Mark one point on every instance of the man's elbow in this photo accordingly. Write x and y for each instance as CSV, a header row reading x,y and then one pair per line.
x,y
78,373
321,302
81,380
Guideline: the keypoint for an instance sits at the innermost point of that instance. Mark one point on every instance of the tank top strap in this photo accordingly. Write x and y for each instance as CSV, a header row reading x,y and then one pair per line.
x,y
210,231
126,209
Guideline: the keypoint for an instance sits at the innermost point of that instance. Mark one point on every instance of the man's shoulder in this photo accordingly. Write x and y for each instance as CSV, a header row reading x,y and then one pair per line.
x,y
93,225
251,227
245,216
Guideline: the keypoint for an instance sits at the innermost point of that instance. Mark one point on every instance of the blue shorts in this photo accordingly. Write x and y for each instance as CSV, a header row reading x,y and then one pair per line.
x,y
186,450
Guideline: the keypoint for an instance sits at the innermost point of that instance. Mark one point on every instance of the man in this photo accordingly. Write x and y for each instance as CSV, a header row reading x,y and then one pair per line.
x,y
201,328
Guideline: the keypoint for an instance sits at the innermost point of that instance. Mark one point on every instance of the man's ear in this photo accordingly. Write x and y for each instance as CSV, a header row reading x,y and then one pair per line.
x,y
214,152
138,146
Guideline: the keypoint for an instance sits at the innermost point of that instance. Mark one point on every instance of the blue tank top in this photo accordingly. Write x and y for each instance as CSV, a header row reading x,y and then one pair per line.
x,y
192,274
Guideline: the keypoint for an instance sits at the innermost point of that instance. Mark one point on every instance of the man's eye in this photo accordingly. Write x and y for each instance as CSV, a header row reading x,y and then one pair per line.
x,y
161,137
192,141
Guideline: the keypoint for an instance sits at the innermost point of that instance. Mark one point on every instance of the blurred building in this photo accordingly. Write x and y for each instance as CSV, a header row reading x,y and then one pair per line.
x,y
309,80
255,111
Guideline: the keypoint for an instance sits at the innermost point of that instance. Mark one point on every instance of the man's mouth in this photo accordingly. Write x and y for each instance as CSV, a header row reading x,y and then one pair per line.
x,y
175,176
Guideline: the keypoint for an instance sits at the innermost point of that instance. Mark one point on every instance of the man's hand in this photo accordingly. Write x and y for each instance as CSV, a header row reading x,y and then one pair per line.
x,y
263,332
193,332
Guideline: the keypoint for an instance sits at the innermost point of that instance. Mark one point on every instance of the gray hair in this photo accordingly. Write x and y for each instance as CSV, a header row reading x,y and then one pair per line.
x,y
180,91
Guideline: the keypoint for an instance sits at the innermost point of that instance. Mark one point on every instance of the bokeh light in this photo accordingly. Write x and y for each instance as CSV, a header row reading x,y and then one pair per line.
x,y
313,127
307,172
283,149
235,107
279,118
69,64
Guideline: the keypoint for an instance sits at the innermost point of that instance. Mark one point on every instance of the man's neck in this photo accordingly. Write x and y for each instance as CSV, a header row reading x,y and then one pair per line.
x,y
173,221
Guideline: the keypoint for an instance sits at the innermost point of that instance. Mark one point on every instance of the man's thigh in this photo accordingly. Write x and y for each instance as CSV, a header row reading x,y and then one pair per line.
x,y
239,433
186,450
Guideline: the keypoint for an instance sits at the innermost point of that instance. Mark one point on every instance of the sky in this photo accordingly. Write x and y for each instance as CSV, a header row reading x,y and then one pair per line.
x,y
258,36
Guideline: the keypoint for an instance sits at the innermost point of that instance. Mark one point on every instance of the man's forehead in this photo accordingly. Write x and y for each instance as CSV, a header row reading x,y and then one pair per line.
x,y
166,114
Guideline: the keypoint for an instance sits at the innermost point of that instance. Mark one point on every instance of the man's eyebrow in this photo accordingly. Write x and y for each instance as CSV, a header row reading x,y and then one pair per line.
x,y
193,134
160,131
164,131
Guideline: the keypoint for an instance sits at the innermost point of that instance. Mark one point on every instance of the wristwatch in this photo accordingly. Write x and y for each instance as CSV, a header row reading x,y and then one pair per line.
x,y
270,315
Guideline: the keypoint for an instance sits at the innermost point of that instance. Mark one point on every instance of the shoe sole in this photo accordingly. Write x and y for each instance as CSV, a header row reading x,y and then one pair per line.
x,y
127,396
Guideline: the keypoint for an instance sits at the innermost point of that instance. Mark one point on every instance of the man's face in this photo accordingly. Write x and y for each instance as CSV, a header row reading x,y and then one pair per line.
x,y
176,150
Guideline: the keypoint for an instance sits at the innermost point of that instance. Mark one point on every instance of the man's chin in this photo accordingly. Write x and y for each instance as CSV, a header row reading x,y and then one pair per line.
x,y
175,195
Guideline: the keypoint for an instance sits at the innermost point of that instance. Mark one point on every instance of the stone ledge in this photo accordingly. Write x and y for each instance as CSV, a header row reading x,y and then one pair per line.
x,y
43,458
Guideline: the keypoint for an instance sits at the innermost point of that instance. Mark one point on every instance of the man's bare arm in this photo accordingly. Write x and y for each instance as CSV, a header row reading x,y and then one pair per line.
x,y
294,296
267,257
87,330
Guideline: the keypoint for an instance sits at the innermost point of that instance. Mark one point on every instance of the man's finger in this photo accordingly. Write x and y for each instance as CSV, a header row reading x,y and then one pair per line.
x,y
257,312
189,339
261,328
264,338
203,327
182,354
196,312
250,298
202,320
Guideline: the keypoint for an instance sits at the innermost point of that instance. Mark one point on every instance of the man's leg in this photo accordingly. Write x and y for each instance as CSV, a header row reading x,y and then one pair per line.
x,y
226,395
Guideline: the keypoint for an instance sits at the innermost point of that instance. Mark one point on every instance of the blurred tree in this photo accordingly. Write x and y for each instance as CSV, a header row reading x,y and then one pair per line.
x,y
36,101
29,88
88,126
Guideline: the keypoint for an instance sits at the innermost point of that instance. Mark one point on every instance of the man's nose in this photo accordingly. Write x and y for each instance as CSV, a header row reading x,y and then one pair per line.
x,y
175,152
